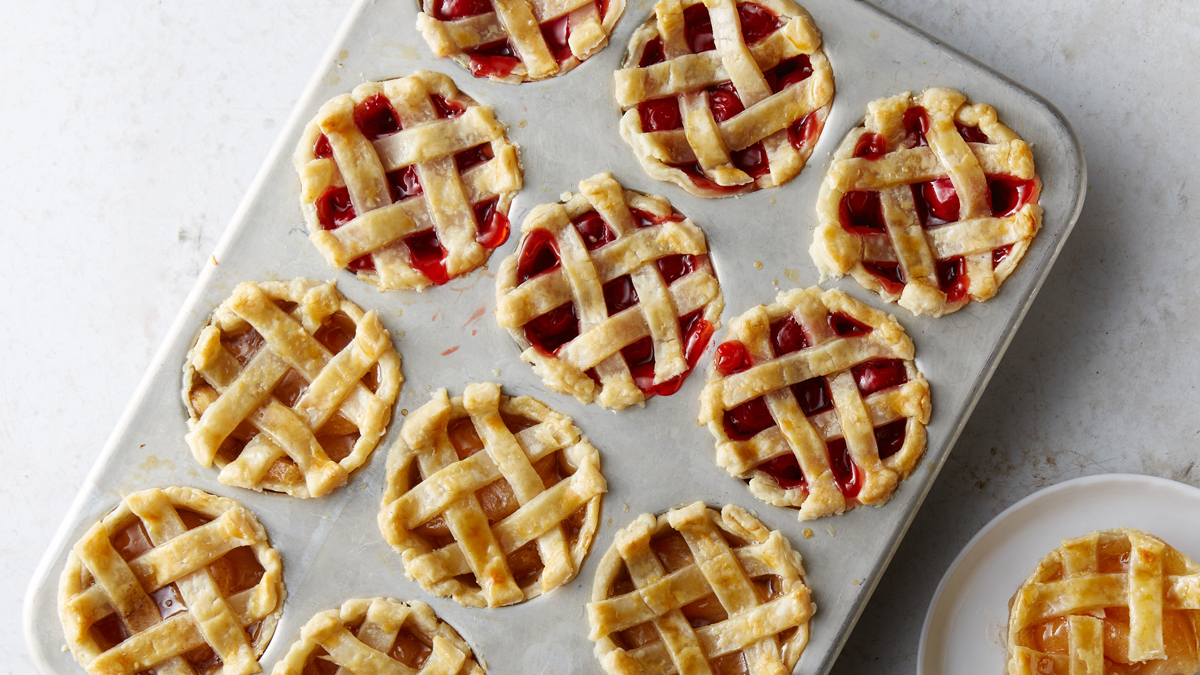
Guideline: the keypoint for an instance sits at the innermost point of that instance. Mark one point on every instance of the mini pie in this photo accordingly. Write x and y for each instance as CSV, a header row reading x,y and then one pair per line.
x,y
723,97
1114,601
932,202
377,636
496,527
816,402
289,387
610,294
406,182
695,591
518,41
172,581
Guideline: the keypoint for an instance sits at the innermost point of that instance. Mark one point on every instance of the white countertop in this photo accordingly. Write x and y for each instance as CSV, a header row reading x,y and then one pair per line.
x,y
132,132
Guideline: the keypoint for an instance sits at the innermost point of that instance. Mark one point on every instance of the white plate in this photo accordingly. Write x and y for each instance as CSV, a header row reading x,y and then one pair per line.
x,y
964,628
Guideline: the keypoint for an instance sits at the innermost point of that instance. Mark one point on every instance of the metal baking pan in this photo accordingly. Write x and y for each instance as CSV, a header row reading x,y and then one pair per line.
x,y
654,457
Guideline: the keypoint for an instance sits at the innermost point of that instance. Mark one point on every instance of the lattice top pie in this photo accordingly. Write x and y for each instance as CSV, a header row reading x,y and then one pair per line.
x,y
1115,601
406,182
723,97
289,387
696,592
816,402
495,527
610,294
518,41
377,636
171,581
932,202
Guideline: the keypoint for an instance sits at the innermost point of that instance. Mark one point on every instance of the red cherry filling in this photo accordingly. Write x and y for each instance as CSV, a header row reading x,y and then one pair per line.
x,y
788,72
889,438
999,255
846,474
971,134
404,183
862,213
375,117
696,333
673,267
446,109
936,202
427,256
724,101
494,59
647,219
362,264
594,231
1009,193
469,159
785,469
556,32
619,294
752,160
747,419
787,336
803,132
757,22
813,396
916,123
731,357
493,225
652,53
696,174
334,208
846,326
875,375
539,254
660,114
698,27
870,146
553,329
322,148
888,274
952,278
450,10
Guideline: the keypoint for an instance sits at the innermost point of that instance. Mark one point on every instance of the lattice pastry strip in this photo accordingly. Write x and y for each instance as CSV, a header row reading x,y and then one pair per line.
x,y
816,402
289,387
174,581
518,41
1110,601
376,636
610,294
497,488
406,182
697,591
932,202
724,97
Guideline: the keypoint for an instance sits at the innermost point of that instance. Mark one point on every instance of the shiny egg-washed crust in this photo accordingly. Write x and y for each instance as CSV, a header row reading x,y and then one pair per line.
x,y
1068,584
447,488
854,417
975,235
97,581
729,548
244,392
426,141
358,636
519,21
684,75
580,280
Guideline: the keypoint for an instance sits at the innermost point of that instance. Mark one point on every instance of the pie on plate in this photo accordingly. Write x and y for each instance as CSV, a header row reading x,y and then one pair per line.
x,y
931,202
172,581
610,294
816,402
289,387
491,499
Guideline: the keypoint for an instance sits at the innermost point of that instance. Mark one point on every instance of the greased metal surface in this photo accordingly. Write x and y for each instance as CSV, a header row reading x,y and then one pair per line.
x,y
655,457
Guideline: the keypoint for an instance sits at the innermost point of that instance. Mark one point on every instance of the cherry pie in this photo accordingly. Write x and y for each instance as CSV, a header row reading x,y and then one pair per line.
x,y
816,402
406,182
377,636
495,527
172,581
289,387
695,591
932,202
610,294
723,97
518,41
1116,601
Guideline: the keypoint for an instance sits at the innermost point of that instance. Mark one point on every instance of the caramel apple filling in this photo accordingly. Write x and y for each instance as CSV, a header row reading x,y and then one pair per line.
x,y
410,648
